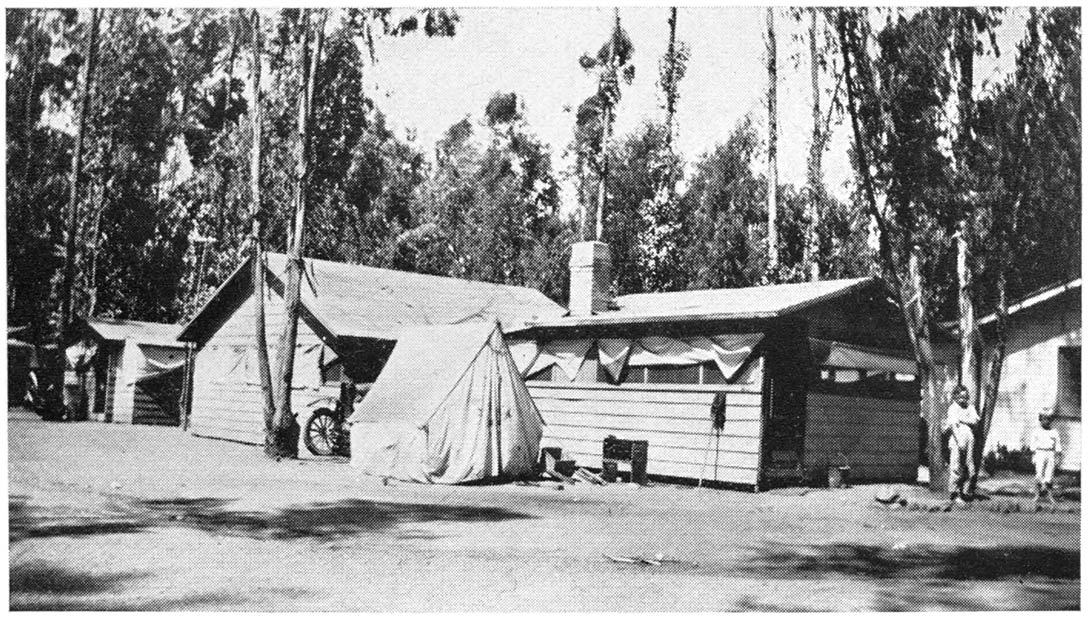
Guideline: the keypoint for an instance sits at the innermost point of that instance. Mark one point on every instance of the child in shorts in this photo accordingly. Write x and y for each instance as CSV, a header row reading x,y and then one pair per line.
x,y
1046,449
960,422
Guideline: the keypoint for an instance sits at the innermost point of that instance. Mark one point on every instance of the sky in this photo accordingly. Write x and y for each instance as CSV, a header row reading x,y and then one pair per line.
x,y
428,84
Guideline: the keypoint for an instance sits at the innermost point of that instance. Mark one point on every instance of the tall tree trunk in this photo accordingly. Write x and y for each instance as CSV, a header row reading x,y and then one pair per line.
x,y
258,255
965,51
810,259
772,271
606,131
67,293
910,293
94,242
284,442
918,325
997,359
225,168
967,314
671,79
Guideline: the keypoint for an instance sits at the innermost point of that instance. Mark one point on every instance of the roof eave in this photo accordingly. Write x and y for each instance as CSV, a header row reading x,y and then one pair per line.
x,y
589,321
1033,300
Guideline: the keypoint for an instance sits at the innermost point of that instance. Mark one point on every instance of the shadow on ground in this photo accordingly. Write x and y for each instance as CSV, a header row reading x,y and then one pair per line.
x,y
319,521
45,579
41,586
918,561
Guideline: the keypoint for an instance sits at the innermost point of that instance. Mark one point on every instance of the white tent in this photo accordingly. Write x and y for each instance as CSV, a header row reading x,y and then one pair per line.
x,y
449,407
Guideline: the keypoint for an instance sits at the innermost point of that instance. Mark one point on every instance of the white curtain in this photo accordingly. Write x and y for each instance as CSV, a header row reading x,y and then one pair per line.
x,y
729,352
568,355
613,355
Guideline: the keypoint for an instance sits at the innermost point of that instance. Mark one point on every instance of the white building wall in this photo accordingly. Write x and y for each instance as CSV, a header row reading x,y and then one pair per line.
x,y
1030,379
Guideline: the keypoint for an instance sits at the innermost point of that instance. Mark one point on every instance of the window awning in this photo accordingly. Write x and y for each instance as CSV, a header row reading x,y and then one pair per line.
x,y
841,355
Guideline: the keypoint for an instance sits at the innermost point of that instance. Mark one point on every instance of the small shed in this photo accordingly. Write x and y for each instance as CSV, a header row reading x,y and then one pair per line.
x,y
1042,370
752,387
127,371
350,320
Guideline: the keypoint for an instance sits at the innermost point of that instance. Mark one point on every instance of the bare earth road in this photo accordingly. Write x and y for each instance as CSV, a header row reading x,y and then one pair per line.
x,y
110,517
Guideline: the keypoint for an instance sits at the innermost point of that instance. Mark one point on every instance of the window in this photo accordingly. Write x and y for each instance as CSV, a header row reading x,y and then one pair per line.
x,y
697,374
847,375
544,375
1069,382
674,374
711,375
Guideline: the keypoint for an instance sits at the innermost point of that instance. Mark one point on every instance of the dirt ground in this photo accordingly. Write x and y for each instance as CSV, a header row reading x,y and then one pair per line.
x,y
113,517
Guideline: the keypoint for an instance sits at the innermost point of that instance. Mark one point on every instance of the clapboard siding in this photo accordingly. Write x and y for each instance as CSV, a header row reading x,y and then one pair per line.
x,y
878,437
675,422
232,409
147,411
112,364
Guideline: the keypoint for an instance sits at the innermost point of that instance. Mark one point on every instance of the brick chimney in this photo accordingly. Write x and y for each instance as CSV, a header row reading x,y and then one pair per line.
x,y
591,277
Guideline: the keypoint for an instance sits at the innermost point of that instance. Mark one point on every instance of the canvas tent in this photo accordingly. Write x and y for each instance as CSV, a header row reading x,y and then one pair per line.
x,y
449,407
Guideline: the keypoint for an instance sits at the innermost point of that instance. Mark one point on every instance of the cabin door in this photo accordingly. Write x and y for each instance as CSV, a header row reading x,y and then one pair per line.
x,y
784,415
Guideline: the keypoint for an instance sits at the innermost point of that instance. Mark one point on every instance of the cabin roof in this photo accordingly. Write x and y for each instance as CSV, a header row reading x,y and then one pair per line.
x,y
356,301
750,303
1035,298
114,330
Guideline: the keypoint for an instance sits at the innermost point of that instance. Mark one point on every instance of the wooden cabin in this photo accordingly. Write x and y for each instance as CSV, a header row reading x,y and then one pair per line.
x,y
126,371
351,316
1042,370
807,376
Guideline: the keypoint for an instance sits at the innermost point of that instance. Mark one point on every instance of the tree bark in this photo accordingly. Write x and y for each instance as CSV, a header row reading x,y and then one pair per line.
x,y
606,130
671,79
964,50
258,255
910,293
285,440
772,271
967,315
810,259
67,293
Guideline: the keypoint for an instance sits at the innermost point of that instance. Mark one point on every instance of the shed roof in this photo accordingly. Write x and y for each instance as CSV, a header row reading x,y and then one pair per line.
x,y
114,330
754,302
355,301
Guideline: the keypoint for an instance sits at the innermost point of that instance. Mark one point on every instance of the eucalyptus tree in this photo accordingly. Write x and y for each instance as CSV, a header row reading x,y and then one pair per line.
x,y
1025,167
594,117
659,242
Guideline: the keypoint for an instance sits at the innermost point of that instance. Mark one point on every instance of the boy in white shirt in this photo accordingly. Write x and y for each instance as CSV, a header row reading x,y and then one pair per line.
x,y
960,422
1046,449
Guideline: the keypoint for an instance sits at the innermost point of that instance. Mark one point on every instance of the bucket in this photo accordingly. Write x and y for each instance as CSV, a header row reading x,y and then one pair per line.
x,y
839,476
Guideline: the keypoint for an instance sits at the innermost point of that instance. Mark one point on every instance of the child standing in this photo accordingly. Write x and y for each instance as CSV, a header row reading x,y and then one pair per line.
x,y
1046,449
960,422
